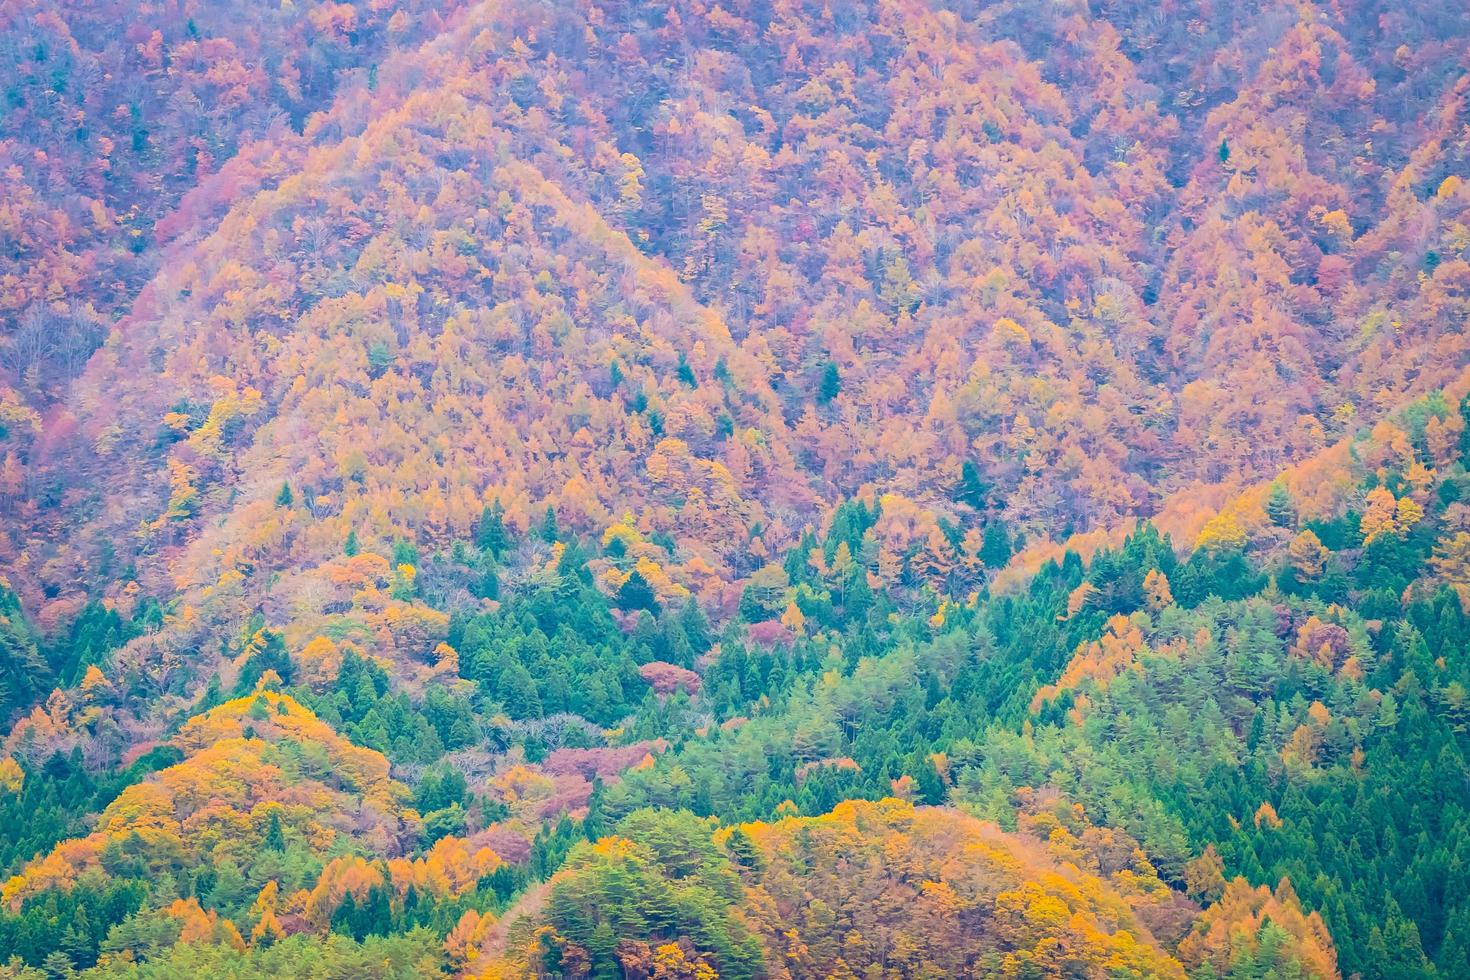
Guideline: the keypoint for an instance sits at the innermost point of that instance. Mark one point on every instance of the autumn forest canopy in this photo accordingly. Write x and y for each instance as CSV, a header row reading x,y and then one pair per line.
x,y
752,489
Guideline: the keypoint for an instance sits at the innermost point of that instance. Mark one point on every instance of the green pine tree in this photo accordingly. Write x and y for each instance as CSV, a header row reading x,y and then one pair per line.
x,y
1280,507
830,385
491,536
517,691
636,593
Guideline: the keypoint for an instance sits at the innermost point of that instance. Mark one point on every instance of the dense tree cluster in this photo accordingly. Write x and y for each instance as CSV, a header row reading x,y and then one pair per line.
x,y
752,489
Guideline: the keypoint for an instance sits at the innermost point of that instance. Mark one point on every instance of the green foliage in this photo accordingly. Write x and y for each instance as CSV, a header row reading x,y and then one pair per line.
x,y
56,799
830,384
416,955
74,922
270,654
1280,507
491,536
24,674
659,879
554,646
636,593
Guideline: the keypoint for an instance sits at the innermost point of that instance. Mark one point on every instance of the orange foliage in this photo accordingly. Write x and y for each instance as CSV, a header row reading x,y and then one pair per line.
x,y
1233,924
888,883
218,803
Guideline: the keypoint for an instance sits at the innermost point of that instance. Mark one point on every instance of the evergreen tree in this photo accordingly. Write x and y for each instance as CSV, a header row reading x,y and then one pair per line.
x,y
636,593
830,385
275,837
491,536
1280,507
517,691
995,545
972,488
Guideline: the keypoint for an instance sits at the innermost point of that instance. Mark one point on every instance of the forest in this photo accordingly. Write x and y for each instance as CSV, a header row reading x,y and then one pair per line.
x,y
752,489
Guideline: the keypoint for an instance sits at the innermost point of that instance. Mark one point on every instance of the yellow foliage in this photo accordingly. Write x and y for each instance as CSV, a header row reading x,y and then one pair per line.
x,y
450,868
200,926
1044,916
216,804
1232,925
12,776
1007,332
1307,555
342,876
1378,514
267,931
1156,590
1223,532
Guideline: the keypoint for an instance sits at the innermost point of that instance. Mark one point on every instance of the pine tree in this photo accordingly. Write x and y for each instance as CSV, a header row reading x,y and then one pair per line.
x,y
1403,954
517,691
972,488
405,553
830,385
350,547
24,673
375,917
491,536
285,498
602,947
58,965
636,593
696,626
345,919
995,550
1454,949
275,838
1280,507
743,850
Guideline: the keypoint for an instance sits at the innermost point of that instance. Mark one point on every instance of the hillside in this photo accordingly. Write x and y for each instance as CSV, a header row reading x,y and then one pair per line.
x,y
767,489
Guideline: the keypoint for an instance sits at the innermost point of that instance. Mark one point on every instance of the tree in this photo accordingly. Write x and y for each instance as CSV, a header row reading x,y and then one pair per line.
x,y
275,838
1221,533
491,537
24,672
1280,508
995,551
830,384
517,691
1378,514
972,488
764,595
285,498
1307,556
1205,876
1156,590
635,593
